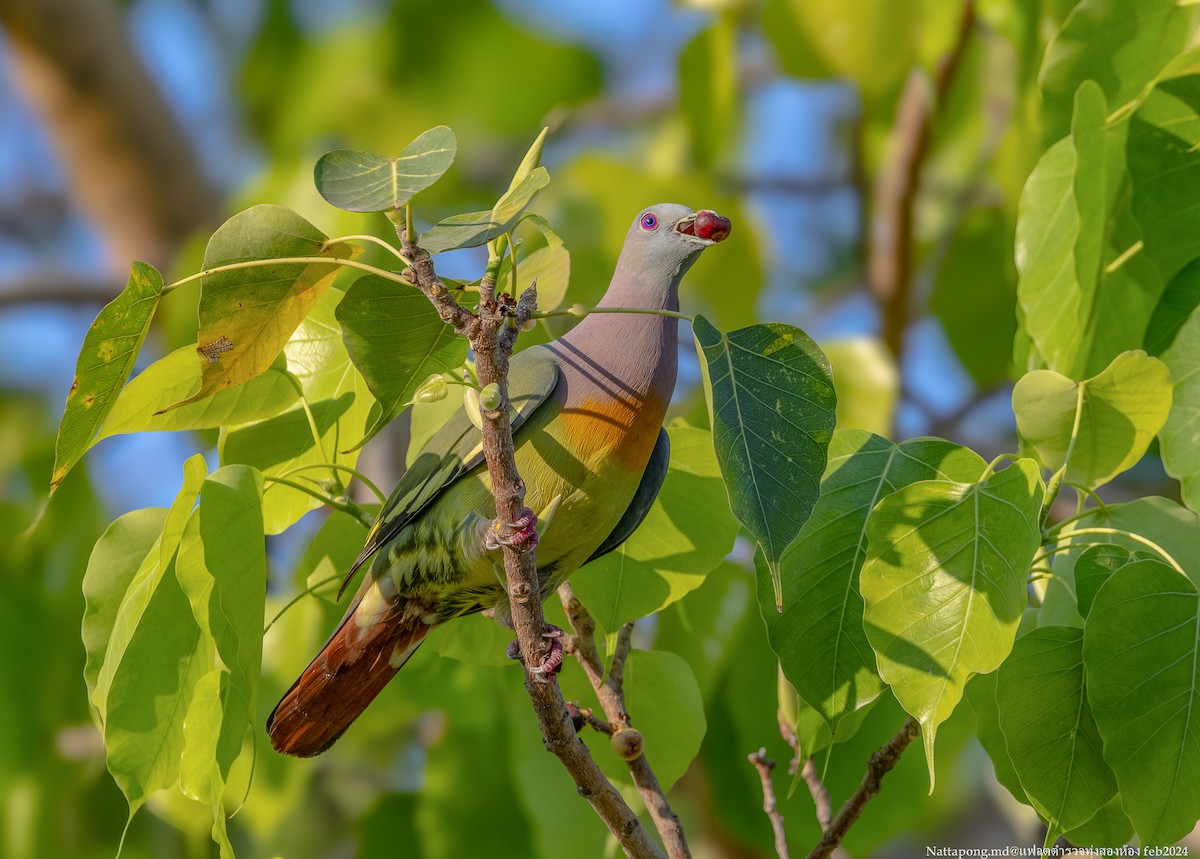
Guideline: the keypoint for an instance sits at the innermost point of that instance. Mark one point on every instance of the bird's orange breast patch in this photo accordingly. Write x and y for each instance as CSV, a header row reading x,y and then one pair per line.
x,y
613,428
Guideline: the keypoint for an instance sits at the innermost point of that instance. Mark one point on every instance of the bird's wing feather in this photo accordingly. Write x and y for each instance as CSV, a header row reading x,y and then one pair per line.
x,y
457,449
643,498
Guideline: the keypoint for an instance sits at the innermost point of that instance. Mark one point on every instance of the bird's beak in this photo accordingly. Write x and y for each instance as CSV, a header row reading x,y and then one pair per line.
x,y
705,227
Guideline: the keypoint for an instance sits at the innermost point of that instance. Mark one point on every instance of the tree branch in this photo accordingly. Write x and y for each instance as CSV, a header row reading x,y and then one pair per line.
x,y
820,794
879,765
890,258
610,692
127,161
764,767
492,345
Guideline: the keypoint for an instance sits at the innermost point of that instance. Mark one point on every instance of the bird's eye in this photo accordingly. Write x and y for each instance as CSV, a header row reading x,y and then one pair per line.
x,y
649,222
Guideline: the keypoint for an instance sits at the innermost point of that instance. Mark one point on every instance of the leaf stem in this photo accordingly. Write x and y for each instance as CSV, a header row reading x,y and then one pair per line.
x,y
298,597
410,233
341,503
256,263
991,466
1057,479
316,433
366,481
581,312
1137,538
375,240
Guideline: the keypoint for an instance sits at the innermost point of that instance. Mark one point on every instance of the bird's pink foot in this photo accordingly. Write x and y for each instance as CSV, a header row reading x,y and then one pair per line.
x,y
521,534
552,663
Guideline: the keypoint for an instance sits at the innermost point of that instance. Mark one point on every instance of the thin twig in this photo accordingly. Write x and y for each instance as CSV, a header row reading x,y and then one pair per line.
x,y
820,794
764,767
491,335
880,764
611,694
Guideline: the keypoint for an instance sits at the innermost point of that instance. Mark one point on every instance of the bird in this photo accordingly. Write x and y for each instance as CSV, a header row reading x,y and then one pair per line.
x,y
590,448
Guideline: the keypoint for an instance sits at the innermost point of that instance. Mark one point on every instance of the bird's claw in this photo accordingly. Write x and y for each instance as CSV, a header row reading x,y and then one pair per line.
x,y
552,663
521,535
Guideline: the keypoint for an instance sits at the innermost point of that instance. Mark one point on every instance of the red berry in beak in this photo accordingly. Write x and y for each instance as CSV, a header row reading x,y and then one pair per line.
x,y
709,225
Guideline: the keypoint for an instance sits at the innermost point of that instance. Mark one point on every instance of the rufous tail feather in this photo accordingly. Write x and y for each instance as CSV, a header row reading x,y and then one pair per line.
x,y
356,663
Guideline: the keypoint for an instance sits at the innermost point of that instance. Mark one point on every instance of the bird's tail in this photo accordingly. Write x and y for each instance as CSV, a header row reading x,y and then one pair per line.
x,y
363,654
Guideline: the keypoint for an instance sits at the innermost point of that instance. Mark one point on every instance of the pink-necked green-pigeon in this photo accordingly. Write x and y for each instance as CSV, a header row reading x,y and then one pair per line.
x,y
589,446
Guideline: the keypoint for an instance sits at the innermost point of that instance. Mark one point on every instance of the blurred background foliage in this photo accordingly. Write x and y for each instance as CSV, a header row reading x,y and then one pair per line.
x,y
870,154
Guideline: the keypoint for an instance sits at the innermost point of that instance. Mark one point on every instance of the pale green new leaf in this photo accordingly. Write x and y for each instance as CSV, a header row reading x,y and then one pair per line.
x,y
341,405
222,570
477,228
771,404
944,584
153,661
248,314
362,182
1049,729
819,636
1120,410
177,376
396,340
106,359
115,560
549,266
1121,46
1180,435
530,161
687,533
1141,649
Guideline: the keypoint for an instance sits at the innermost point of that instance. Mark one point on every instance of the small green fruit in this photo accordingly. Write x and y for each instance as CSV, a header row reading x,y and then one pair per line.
x,y
431,390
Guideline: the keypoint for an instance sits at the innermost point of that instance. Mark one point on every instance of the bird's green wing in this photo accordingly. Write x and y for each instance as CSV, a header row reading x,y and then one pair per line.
x,y
457,449
643,498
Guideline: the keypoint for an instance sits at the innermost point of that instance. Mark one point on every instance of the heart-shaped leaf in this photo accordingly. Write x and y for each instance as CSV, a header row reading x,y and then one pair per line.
x,y
1181,433
362,182
1141,649
477,228
944,584
247,315
771,403
1119,411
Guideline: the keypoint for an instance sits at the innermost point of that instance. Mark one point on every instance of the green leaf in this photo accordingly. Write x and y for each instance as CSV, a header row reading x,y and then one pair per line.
x,y
177,376
1120,46
771,404
1109,828
329,554
550,266
247,315
477,228
1180,436
708,87
1052,737
396,339
362,182
1059,232
115,560
222,570
662,695
152,663
687,533
106,359
1095,566
1172,527
981,692
1141,649
530,162
1180,297
944,584
1120,410
341,404
819,636
1162,153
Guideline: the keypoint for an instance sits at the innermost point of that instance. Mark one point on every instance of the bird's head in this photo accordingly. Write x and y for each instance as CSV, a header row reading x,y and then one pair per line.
x,y
667,238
